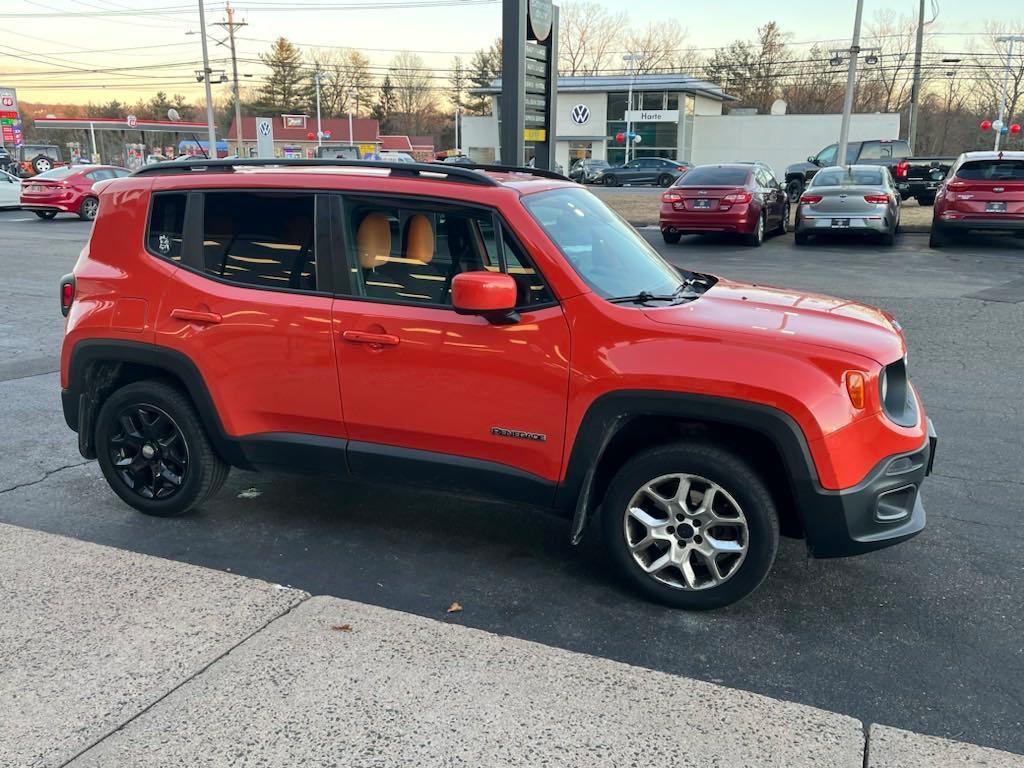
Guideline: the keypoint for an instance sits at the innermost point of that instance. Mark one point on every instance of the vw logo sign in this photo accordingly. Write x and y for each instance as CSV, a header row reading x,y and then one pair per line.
x,y
265,129
580,114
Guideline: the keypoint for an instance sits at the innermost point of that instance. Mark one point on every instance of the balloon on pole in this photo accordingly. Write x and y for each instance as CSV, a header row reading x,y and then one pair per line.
x,y
986,125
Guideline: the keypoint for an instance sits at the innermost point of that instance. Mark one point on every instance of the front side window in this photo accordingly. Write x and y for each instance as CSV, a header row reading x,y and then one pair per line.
x,y
409,253
263,240
827,156
610,256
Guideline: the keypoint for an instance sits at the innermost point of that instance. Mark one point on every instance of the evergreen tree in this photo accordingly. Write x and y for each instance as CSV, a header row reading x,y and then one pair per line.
x,y
385,106
287,88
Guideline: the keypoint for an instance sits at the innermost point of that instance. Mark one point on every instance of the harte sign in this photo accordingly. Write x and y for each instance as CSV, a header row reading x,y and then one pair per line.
x,y
10,118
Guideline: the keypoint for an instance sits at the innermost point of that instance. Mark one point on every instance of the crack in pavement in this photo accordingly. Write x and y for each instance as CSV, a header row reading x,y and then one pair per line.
x,y
45,476
978,479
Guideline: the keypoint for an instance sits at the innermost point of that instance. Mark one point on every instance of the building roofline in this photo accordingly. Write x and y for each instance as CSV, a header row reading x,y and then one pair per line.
x,y
657,82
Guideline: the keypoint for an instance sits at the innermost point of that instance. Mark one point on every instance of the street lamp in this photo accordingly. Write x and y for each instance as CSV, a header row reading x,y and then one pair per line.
x,y
1011,39
632,59
206,82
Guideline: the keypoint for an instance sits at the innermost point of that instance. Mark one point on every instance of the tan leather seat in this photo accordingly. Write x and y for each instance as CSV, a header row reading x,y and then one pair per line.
x,y
373,240
419,239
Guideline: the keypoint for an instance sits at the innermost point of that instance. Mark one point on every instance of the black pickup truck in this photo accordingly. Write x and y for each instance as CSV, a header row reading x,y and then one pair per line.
x,y
917,177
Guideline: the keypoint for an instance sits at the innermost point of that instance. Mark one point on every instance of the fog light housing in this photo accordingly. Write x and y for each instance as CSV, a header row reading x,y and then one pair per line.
x,y
895,505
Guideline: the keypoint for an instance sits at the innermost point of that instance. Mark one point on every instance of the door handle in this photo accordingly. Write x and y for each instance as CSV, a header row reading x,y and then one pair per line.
x,y
365,337
195,316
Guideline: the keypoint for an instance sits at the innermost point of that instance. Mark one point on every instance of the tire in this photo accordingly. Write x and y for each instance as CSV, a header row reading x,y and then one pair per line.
x,y
610,181
783,227
747,522
166,434
801,238
926,200
45,215
665,180
42,164
89,208
888,239
756,238
671,238
938,237
794,188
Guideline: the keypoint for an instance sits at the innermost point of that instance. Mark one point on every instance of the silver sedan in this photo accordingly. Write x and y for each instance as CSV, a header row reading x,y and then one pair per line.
x,y
854,198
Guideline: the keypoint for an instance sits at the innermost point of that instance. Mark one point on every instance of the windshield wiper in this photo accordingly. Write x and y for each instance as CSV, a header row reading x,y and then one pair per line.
x,y
684,291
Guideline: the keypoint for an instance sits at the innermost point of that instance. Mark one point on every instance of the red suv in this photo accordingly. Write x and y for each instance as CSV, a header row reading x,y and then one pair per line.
x,y
740,198
983,191
491,332
68,189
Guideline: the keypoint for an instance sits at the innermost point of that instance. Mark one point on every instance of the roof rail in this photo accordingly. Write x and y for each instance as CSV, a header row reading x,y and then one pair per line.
x,y
496,168
451,172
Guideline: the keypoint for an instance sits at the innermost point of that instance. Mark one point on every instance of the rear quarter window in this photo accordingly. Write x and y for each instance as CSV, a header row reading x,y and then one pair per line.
x,y
166,225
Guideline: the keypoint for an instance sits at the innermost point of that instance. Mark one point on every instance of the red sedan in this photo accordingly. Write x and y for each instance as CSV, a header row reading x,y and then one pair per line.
x,y
68,189
742,198
983,191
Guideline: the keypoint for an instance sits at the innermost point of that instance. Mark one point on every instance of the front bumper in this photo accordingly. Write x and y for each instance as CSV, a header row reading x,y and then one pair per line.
x,y
883,509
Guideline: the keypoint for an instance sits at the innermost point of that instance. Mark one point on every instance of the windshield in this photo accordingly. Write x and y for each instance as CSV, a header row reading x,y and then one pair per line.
x,y
714,176
610,256
843,177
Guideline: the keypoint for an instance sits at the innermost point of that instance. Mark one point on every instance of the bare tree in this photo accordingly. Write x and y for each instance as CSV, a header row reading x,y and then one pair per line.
x,y
886,86
753,73
988,67
659,46
344,77
813,87
588,38
415,100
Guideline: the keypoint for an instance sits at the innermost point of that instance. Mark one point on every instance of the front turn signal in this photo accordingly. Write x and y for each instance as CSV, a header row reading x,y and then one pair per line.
x,y
855,388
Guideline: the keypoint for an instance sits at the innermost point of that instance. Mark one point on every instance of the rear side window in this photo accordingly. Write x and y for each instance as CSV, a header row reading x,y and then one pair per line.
x,y
714,176
992,170
166,225
884,150
264,240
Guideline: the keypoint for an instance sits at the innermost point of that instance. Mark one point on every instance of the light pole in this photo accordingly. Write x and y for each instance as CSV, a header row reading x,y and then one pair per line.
x,y
351,97
319,128
1011,39
851,86
631,59
206,80
458,149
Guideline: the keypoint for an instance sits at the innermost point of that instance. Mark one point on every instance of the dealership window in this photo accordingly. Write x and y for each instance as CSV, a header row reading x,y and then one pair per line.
x,y
580,150
652,100
617,106
264,240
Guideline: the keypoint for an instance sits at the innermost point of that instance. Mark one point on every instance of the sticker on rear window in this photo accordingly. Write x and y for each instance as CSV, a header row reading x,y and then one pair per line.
x,y
164,244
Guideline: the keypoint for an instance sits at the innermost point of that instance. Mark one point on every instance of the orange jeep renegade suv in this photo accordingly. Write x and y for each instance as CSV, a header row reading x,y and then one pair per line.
x,y
485,331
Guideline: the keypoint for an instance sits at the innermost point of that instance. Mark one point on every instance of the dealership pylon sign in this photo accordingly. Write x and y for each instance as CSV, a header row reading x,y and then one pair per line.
x,y
529,80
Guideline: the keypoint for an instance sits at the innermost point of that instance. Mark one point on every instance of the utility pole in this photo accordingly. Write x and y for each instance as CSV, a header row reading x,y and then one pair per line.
x,y
851,86
319,127
230,25
631,59
915,90
1011,39
207,72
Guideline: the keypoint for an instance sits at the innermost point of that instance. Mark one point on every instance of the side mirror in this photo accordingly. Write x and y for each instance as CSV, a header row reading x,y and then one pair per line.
x,y
812,159
490,294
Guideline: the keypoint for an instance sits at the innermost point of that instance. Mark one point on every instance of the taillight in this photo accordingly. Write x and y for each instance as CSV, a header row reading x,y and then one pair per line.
x,y
67,294
902,169
681,168
671,197
737,198
876,198
812,199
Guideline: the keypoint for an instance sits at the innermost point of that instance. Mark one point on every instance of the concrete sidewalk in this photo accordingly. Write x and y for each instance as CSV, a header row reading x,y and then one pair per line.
x,y
109,658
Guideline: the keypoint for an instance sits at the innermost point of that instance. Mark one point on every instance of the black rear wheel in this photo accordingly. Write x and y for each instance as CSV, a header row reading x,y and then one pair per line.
x,y
794,188
45,215
938,237
154,452
671,237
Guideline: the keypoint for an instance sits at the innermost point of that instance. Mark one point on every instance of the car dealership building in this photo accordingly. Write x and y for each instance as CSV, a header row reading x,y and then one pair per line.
x,y
676,116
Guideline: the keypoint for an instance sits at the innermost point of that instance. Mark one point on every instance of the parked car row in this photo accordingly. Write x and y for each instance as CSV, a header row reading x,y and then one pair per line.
x,y
917,177
643,170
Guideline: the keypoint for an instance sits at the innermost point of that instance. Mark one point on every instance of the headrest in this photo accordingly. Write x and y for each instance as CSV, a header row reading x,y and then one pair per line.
x,y
373,240
419,239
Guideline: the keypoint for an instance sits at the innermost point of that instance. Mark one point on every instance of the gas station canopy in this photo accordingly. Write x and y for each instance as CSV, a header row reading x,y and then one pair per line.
x,y
128,123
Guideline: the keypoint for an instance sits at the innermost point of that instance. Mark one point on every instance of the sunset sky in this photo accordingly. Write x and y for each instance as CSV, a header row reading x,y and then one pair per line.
x,y
54,47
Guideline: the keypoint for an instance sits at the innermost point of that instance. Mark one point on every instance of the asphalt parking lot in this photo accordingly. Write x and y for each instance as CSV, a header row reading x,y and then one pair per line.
x,y
927,636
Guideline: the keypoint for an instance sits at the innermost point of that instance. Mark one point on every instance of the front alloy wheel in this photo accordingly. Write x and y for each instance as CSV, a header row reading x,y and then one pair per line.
x,y
89,208
686,531
690,525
